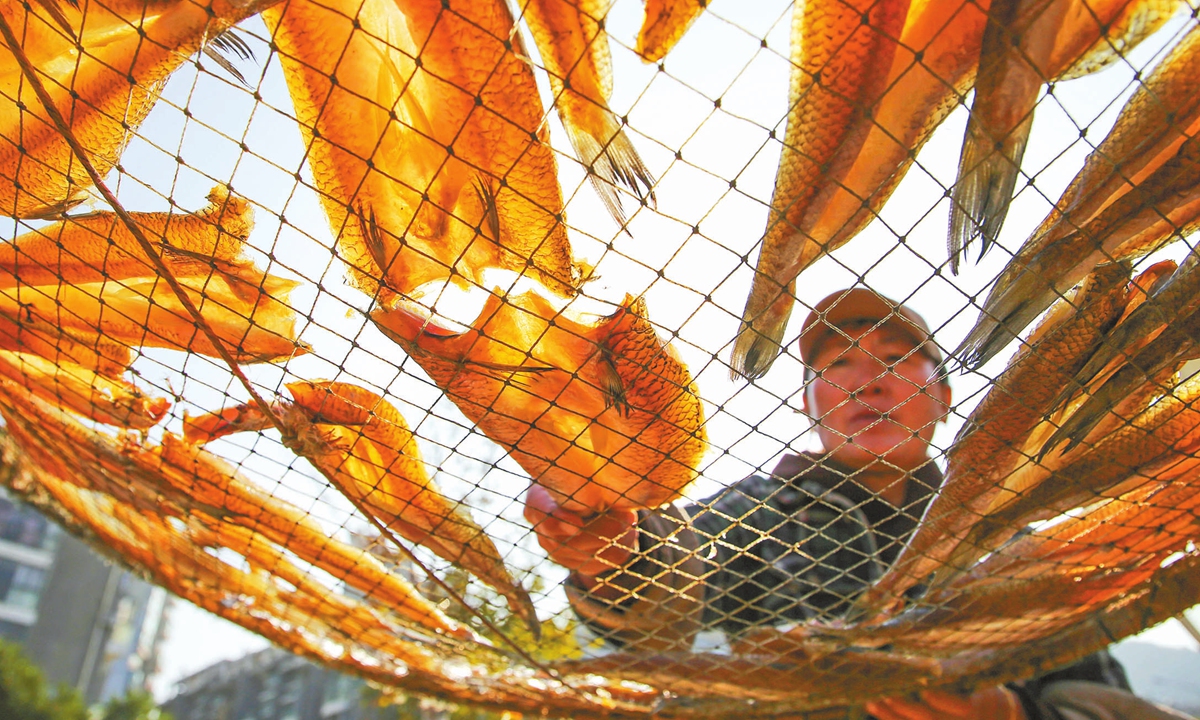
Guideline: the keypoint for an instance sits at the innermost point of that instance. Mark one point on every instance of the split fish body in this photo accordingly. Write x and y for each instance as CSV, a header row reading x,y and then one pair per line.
x,y
253,319
362,444
129,51
574,47
427,170
989,446
599,411
1150,132
104,400
474,59
1165,432
203,474
93,248
1013,66
45,338
934,65
665,23
1178,342
190,480
1173,299
841,56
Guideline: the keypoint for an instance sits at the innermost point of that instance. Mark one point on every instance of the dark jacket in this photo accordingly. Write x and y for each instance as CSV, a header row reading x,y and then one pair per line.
x,y
798,544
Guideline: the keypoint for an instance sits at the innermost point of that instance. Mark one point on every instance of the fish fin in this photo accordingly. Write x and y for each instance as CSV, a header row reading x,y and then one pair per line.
x,y
666,22
760,337
612,164
220,47
56,14
987,176
612,386
487,199
373,239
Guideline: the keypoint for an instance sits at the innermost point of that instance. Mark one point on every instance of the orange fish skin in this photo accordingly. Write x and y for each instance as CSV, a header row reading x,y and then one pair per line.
x,y
252,319
39,176
989,446
1166,353
1165,432
92,248
1173,300
1013,66
599,412
665,23
420,183
45,338
112,402
571,39
841,55
1098,33
362,444
198,471
470,51
1150,130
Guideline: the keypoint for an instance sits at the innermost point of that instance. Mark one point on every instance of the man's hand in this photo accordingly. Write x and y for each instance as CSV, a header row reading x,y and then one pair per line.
x,y
585,546
996,703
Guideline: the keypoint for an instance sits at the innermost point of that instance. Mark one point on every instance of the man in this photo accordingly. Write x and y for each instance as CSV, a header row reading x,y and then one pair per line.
x,y
804,541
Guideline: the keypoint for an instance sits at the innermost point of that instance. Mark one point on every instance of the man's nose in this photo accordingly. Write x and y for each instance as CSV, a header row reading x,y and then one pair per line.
x,y
870,377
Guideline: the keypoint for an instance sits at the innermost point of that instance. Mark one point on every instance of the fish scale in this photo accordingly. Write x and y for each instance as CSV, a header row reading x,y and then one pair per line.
x,y
146,41
599,411
840,58
1149,131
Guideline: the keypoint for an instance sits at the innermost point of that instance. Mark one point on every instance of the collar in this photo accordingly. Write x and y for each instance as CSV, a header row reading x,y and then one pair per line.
x,y
822,469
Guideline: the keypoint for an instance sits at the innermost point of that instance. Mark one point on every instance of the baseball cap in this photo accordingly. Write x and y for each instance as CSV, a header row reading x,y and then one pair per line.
x,y
858,305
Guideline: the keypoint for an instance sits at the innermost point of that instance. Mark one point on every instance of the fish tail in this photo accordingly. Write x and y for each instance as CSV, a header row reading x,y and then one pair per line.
x,y
612,163
487,201
987,177
666,22
760,337
220,47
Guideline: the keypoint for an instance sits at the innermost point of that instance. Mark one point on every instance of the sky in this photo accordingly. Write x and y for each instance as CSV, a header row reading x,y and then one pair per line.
x,y
703,122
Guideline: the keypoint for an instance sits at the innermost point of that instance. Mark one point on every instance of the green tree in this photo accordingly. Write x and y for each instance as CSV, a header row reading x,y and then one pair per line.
x,y
26,695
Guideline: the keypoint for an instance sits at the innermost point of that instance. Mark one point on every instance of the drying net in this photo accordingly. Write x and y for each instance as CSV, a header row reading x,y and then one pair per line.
x,y
300,296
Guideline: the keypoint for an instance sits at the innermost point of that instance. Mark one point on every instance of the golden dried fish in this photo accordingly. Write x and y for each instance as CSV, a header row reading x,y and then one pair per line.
x,y
103,71
44,338
98,247
112,402
362,444
252,318
599,411
1026,43
1108,29
841,56
1017,46
933,67
574,47
665,23
1173,346
1163,433
213,481
1149,133
427,171
989,446
1155,518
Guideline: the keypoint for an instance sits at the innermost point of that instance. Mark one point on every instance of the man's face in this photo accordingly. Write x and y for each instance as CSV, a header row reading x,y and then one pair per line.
x,y
872,399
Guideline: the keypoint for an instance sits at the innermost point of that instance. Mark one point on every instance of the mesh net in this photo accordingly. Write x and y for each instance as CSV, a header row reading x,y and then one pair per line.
x,y
300,295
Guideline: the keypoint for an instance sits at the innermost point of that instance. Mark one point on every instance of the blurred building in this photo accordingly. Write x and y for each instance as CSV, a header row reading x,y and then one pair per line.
x,y
272,684
84,621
